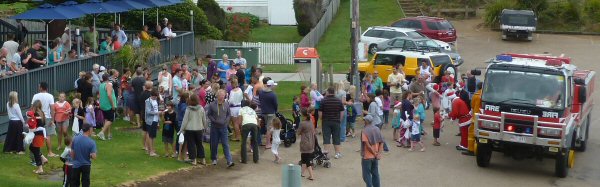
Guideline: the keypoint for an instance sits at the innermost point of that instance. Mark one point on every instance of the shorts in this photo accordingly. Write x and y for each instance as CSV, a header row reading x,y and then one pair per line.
x,y
269,121
235,111
166,139
331,129
64,124
50,130
152,129
306,158
350,125
109,115
436,133
415,137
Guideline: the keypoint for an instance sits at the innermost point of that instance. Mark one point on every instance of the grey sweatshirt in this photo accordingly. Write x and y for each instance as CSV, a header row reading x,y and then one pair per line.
x,y
194,119
219,115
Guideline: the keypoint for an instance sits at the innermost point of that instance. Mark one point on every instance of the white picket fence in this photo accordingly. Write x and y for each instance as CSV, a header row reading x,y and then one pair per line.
x,y
274,53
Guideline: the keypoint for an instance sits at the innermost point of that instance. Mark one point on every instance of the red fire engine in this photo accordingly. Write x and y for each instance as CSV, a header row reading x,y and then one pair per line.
x,y
534,106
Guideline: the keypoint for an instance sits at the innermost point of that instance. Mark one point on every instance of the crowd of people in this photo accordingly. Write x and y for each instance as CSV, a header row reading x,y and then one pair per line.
x,y
18,56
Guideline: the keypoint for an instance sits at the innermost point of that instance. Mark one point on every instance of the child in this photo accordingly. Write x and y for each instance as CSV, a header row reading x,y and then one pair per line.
x,y
419,104
386,107
397,120
275,131
415,137
296,112
151,111
169,129
78,114
351,118
35,123
90,114
437,125
62,111
65,157
307,143
161,98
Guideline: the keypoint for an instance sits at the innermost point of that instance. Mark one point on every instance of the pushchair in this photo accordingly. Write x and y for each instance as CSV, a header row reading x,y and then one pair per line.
x,y
288,132
320,158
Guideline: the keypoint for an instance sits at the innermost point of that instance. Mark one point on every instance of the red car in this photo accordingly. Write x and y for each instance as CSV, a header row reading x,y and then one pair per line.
x,y
432,27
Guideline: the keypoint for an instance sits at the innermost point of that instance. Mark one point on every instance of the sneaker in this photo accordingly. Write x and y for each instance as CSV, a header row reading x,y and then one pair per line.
x,y
110,137
337,155
231,164
214,162
101,136
126,118
203,162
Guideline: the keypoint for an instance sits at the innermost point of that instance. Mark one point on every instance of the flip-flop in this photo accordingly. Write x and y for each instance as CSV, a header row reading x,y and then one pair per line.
x,y
310,178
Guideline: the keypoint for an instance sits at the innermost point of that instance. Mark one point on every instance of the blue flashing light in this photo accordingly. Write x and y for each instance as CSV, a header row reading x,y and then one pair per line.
x,y
528,130
505,58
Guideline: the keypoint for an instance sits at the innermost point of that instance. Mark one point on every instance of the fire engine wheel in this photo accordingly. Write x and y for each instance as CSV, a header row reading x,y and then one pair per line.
x,y
561,168
484,155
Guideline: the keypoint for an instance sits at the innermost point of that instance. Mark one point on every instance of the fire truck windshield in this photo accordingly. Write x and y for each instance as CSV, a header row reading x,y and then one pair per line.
x,y
525,88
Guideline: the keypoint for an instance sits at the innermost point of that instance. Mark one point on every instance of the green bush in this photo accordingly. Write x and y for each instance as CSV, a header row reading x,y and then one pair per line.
x,y
308,13
238,28
561,14
216,15
493,11
591,8
535,5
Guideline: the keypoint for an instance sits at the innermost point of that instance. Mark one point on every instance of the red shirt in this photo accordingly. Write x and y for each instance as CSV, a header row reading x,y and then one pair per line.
x,y
304,101
125,82
437,121
460,111
202,96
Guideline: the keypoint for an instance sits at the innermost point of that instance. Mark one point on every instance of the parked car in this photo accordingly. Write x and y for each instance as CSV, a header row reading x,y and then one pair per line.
x,y
374,35
518,24
432,27
419,44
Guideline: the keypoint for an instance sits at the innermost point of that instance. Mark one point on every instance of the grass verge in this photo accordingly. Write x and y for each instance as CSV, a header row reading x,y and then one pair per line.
x,y
294,68
334,46
275,34
121,159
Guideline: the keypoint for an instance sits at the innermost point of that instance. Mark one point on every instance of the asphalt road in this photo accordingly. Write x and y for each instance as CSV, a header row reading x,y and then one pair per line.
x,y
438,166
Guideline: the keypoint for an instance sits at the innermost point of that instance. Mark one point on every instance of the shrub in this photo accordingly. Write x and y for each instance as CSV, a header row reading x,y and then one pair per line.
x,y
535,5
216,15
254,20
493,11
591,8
238,28
308,13
560,14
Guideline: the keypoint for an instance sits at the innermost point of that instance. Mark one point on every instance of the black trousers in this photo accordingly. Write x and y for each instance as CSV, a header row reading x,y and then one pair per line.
x,y
194,144
253,130
67,177
81,176
37,154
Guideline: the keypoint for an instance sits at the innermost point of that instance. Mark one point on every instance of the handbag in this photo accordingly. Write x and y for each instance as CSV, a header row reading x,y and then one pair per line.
x,y
181,139
75,127
28,138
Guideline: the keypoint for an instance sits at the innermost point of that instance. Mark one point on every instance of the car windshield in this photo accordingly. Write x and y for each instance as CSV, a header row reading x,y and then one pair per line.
x,y
440,60
415,34
518,20
445,25
427,44
524,88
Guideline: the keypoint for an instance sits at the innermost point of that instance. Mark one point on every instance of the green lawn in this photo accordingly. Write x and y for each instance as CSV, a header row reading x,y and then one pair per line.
x,y
275,34
334,46
279,68
121,159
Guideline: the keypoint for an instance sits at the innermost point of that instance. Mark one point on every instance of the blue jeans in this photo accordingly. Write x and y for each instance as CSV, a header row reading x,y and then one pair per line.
x,y
343,128
370,172
219,135
385,147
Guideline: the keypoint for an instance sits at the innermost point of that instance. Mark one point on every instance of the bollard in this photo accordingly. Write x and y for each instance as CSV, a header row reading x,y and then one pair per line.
x,y
290,176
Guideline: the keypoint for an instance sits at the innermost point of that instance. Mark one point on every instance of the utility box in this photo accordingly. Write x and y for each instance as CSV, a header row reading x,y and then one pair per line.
x,y
249,53
309,55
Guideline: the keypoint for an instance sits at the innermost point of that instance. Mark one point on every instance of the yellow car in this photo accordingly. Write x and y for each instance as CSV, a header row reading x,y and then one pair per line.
x,y
385,61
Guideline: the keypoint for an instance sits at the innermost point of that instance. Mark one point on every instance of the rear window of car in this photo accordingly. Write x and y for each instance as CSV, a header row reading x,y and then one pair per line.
x,y
401,24
373,33
446,25
389,34
440,60
442,25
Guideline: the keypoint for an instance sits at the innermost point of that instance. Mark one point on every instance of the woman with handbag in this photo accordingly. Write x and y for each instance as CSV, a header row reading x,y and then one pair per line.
x,y
192,127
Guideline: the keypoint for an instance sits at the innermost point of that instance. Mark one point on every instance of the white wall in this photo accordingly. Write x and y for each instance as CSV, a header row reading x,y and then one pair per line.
x,y
281,12
255,7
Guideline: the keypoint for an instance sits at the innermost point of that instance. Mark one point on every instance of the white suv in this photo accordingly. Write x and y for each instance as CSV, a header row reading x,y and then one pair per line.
x,y
374,35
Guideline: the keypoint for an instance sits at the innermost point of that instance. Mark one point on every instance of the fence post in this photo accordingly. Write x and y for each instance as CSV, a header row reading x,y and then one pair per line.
x,y
330,74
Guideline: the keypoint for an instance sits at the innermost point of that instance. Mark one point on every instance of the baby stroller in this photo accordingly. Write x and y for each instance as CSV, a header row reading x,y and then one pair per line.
x,y
320,158
288,132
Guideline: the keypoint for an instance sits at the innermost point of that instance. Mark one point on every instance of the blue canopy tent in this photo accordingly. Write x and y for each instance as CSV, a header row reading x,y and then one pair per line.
x,y
96,7
48,13
130,5
156,4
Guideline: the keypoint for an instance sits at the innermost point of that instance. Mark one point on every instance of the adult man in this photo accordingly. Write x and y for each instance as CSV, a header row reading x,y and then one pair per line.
x,y
379,101
147,93
241,76
36,60
72,55
417,86
475,107
167,31
370,151
222,68
11,47
48,109
378,82
211,67
395,81
157,32
219,115
268,106
425,70
331,113
249,125
240,60
83,149
108,105
66,39
177,85
164,23
16,64
137,83
96,78
471,84
91,38
120,34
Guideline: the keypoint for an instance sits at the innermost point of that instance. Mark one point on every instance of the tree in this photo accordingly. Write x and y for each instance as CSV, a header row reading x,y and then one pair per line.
x,y
216,15
308,13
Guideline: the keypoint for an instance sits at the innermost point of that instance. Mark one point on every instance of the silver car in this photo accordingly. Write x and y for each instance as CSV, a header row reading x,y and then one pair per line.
x,y
414,44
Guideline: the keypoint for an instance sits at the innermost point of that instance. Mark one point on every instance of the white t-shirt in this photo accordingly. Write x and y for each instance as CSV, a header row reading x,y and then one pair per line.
x,y
426,71
379,106
11,47
47,102
236,96
249,116
415,128
249,92
16,59
393,80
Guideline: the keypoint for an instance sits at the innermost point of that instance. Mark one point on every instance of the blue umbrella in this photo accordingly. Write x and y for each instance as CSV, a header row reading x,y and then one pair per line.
x,y
49,13
158,3
97,7
131,5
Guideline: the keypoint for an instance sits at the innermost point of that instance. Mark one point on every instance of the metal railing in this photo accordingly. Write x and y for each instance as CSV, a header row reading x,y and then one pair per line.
x,y
270,53
313,37
61,77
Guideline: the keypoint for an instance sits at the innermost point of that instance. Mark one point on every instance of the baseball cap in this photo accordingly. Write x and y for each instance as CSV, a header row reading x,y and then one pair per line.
x,y
368,118
271,83
102,68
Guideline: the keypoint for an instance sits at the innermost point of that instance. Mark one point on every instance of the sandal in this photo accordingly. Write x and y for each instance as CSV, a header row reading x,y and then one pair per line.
x,y
310,178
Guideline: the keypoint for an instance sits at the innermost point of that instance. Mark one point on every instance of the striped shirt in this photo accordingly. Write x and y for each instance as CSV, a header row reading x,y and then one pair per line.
x,y
331,108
